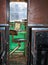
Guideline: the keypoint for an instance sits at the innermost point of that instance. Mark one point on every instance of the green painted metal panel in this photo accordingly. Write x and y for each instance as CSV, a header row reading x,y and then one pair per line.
x,y
22,35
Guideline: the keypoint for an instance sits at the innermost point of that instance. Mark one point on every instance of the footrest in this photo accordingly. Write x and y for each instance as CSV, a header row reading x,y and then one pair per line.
x,y
19,40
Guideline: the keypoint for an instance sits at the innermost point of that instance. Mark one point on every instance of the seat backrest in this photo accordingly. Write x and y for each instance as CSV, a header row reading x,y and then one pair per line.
x,y
17,26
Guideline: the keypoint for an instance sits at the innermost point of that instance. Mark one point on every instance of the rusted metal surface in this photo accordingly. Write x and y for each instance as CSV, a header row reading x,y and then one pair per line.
x,y
37,11
18,59
13,32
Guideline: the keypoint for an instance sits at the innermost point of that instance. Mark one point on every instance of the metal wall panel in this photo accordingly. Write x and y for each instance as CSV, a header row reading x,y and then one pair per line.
x,y
37,11
4,11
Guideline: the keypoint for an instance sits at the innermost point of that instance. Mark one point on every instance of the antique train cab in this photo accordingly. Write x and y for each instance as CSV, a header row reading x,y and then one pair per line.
x,y
24,41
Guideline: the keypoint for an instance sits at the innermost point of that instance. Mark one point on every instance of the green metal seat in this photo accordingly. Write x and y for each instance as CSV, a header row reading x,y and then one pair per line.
x,y
18,42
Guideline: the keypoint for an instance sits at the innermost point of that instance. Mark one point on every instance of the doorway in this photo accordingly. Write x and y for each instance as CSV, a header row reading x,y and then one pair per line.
x,y
18,33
